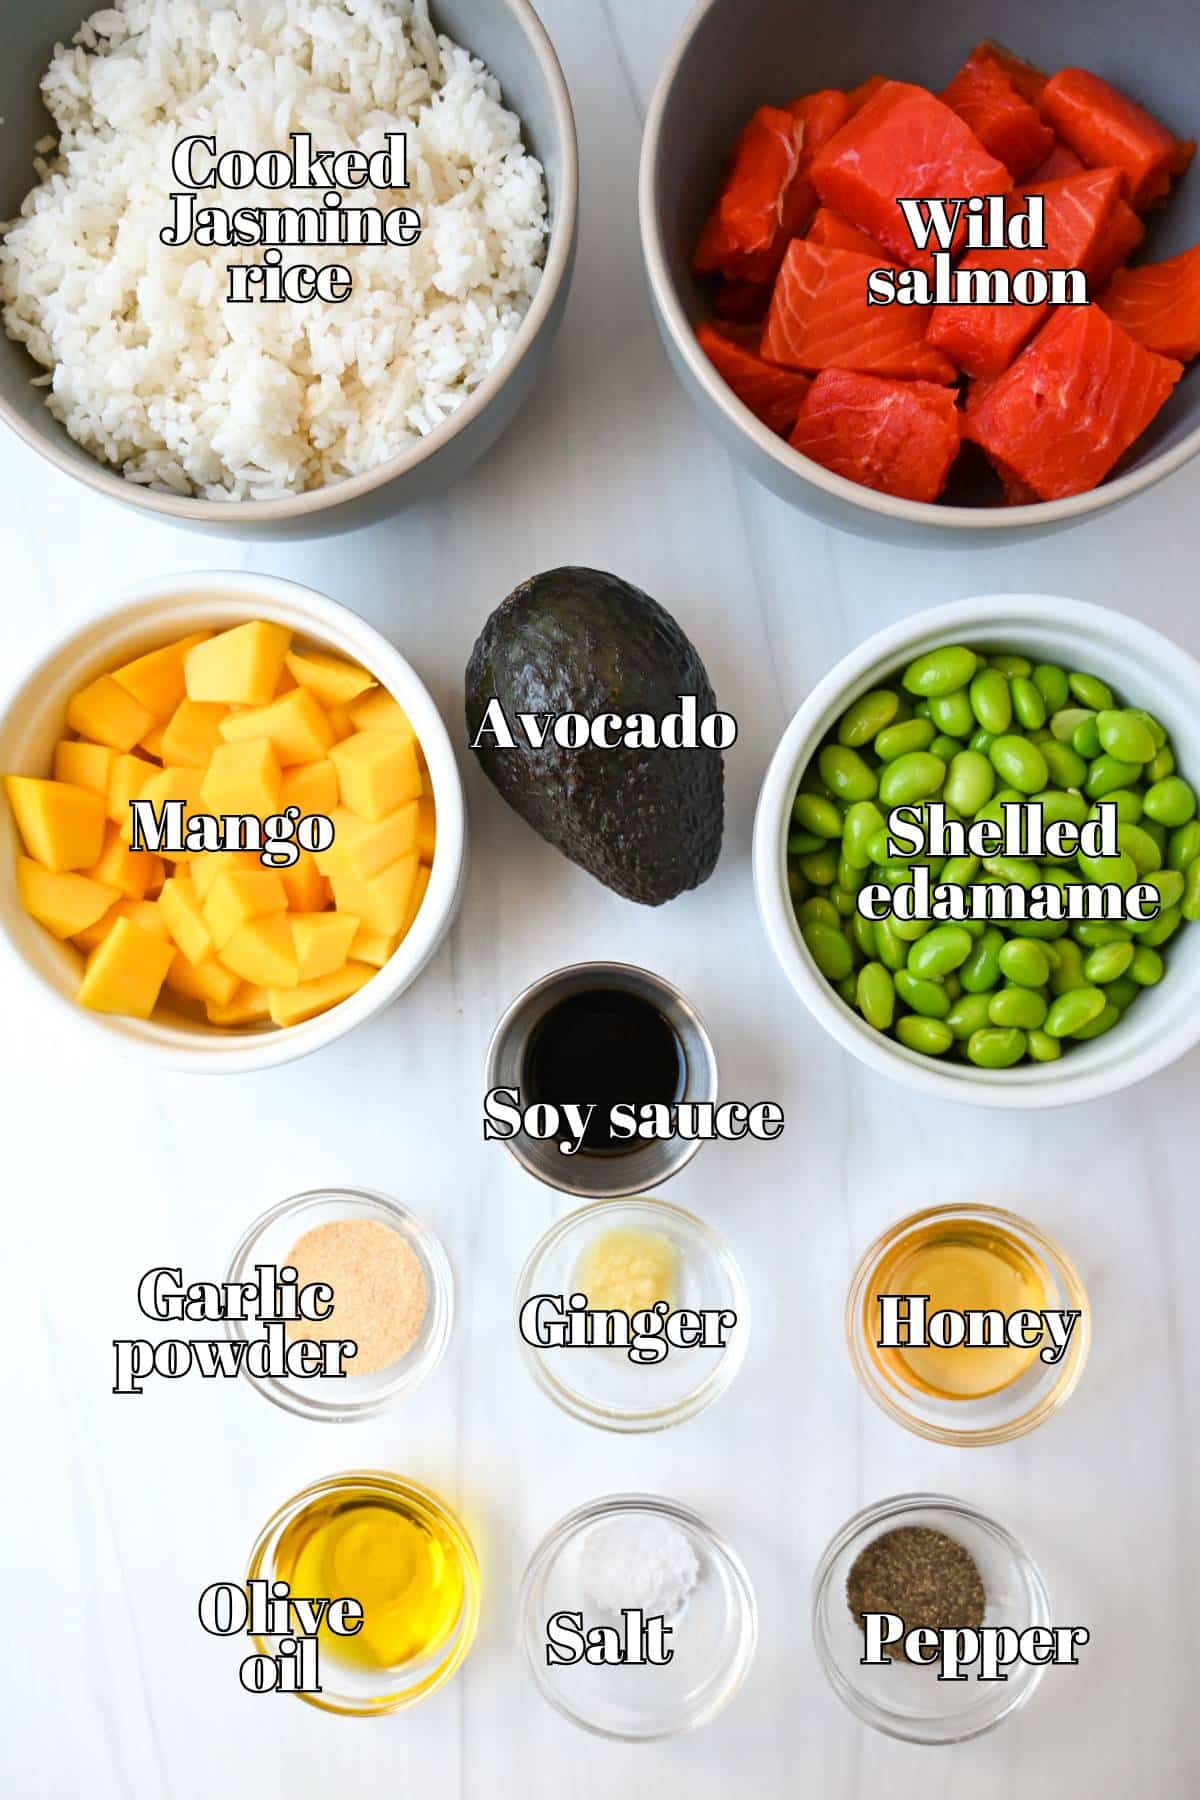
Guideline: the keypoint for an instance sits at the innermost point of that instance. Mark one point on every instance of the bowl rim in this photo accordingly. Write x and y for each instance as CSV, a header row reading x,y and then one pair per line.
x,y
769,444
243,594
192,509
999,615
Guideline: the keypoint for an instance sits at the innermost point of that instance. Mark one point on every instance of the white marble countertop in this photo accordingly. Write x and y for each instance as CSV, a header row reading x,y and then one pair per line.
x,y
117,1512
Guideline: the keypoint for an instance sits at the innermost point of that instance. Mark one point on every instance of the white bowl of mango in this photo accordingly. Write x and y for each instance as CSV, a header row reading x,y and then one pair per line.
x,y
237,695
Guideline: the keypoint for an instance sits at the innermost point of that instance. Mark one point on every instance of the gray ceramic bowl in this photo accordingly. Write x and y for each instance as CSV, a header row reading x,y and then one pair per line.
x,y
735,55
510,39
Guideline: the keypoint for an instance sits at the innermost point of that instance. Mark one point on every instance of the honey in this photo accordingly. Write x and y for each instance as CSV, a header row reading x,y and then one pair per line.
x,y
961,1265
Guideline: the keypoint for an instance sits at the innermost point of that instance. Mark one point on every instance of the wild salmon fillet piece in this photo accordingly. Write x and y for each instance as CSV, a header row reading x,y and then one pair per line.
x,y
1007,125
1159,304
898,437
1061,161
821,114
904,143
746,232
836,233
773,395
1106,128
1071,405
820,319
1029,81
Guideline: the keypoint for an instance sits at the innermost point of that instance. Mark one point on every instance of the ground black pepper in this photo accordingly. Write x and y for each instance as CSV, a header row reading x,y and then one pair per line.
x,y
924,1576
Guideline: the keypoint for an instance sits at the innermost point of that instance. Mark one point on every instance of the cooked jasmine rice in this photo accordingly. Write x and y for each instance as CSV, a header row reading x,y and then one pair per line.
x,y
151,368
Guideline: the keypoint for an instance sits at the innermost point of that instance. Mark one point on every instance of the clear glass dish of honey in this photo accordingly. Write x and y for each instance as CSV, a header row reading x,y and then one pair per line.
x,y
989,1266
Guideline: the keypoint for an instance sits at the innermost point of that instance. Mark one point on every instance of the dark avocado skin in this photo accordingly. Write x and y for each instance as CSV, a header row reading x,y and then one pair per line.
x,y
647,823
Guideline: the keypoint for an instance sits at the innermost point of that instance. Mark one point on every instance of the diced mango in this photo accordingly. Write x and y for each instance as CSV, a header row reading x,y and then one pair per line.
x,y
377,771
313,787
132,872
62,825
322,942
204,980
373,946
340,722
126,971
84,765
330,679
420,886
262,952
129,776
106,713
152,743
206,865
144,914
426,828
242,778
291,1006
241,666
306,888
156,679
192,733
295,726
180,907
378,711
87,939
65,903
362,847
383,902
163,786
237,896
250,1006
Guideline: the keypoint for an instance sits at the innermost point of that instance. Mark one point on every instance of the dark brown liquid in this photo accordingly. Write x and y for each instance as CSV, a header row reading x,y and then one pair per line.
x,y
603,1048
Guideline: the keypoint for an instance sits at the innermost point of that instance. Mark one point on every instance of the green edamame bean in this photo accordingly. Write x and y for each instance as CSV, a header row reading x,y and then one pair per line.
x,y
929,998
1019,1006
1162,766
1107,774
1024,964
1121,992
952,713
1069,973
909,930
1042,1048
982,741
843,900
848,875
1125,736
891,951
1120,868
1166,886
802,843
1108,963
863,820
1051,683
1074,1010
1128,803
1067,768
819,911
1086,738
1067,720
846,774
1158,832
1157,730
960,871
996,1047
917,776
945,747
1164,927
981,970
876,995
1011,665
1146,966
1059,805
940,671
1096,1027
970,783
1019,764
968,1015
820,868
828,949
1141,846
1090,691
1184,846
1027,702
1093,934
931,1037
1014,869
863,932
1170,802
991,701
902,739
817,815
944,948
868,716
848,989
1191,894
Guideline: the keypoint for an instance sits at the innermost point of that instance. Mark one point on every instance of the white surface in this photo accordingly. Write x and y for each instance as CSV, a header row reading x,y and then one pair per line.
x,y
117,1512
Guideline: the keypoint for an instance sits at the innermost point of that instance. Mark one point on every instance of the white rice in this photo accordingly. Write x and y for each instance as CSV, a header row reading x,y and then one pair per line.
x,y
152,370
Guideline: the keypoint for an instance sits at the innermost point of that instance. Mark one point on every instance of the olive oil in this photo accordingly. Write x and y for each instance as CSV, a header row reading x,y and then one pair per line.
x,y
392,1553
960,1266
604,1047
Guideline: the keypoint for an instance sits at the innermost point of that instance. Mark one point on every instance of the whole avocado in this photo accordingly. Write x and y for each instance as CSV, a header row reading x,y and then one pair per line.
x,y
645,822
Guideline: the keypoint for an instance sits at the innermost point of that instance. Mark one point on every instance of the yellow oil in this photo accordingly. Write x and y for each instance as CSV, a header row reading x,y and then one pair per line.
x,y
393,1554
960,1266
627,1269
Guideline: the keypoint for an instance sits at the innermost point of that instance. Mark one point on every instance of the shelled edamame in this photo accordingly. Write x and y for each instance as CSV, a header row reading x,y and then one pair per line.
x,y
975,732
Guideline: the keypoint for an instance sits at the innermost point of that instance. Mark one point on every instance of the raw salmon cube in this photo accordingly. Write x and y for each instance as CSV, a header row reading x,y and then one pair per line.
x,y
899,437
773,395
837,233
1061,161
983,94
820,319
905,143
866,90
749,226
1071,404
1159,304
821,114
1029,82
1121,236
1106,127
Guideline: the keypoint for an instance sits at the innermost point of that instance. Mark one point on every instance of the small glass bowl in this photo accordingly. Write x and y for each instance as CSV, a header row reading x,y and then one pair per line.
x,y
898,1698
713,1643
368,1693
343,1397
992,1418
602,1386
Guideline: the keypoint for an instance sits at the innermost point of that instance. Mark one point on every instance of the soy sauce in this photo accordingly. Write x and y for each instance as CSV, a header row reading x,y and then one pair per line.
x,y
604,1047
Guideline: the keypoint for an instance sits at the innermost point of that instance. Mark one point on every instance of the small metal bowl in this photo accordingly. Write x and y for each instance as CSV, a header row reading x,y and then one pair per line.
x,y
611,1176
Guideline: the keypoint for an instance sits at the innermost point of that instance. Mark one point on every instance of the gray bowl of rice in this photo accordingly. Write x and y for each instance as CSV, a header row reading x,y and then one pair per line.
x,y
178,176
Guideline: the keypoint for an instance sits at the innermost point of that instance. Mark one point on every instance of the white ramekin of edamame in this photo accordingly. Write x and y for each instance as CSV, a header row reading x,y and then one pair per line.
x,y
1146,670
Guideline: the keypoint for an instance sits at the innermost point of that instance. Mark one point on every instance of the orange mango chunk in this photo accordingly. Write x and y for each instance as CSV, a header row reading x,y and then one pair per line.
x,y
377,771
306,888
313,787
330,679
295,726
206,865
384,902
132,872
84,765
322,942
291,1006
204,980
236,897
192,733
64,903
240,667
242,778
106,713
156,679
129,776
378,711
164,785
249,1006
426,826
181,911
363,847
262,952
126,971
62,825
373,947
